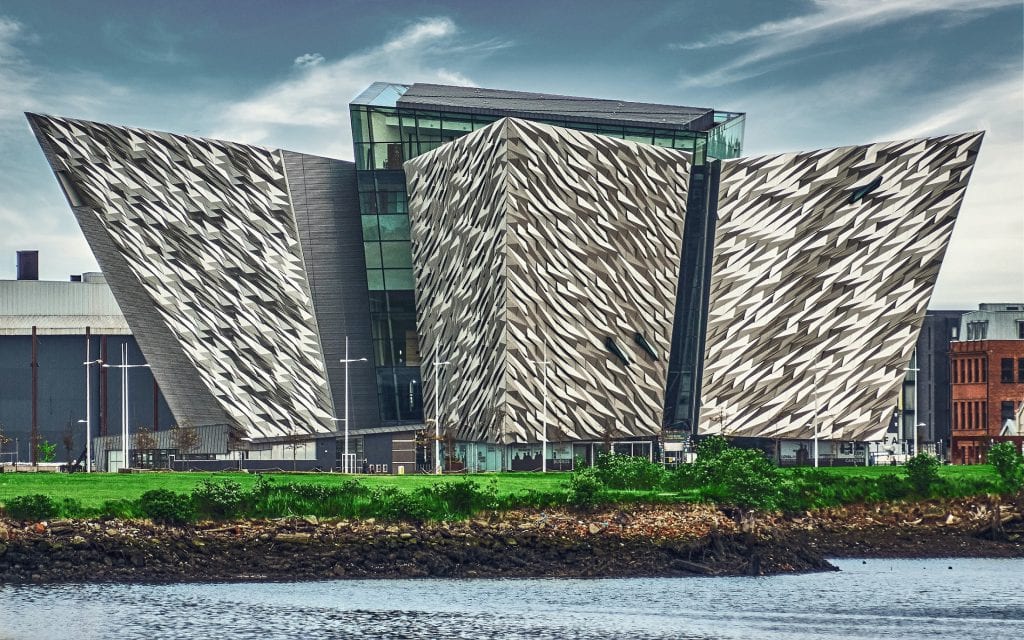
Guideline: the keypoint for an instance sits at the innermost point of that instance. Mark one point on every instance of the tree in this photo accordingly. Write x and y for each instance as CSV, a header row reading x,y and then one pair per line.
x,y
1009,465
293,441
144,439
923,473
185,438
46,451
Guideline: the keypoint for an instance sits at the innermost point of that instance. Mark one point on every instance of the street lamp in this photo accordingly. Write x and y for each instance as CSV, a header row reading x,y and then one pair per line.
x,y
544,436
124,367
88,406
437,414
347,465
914,369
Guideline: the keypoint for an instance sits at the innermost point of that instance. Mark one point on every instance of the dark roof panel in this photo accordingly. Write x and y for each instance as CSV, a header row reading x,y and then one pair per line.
x,y
548,106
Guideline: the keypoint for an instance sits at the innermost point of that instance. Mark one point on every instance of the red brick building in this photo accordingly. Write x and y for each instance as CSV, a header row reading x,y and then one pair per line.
x,y
988,393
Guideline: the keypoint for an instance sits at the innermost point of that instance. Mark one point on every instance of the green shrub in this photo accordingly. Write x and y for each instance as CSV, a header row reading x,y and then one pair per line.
x,y
682,478
391,503
32,507
1009,466
167,507
629,472
123,509
585,488
463,497
218,500
741,477
923,473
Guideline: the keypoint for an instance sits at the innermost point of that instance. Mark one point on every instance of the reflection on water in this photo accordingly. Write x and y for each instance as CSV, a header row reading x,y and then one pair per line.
x,y
961,599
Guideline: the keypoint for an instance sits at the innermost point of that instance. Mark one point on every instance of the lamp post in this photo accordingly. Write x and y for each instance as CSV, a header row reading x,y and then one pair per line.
x,y
124,367
437,414
815,420
88,406
914,369
346,466
544,435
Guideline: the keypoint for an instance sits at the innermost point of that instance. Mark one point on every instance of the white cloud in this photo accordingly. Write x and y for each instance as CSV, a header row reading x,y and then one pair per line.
x,y
308,110
985,260
308,60
770,41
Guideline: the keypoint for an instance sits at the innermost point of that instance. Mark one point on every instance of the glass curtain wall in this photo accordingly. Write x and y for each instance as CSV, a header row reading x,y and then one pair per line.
x,y
385,136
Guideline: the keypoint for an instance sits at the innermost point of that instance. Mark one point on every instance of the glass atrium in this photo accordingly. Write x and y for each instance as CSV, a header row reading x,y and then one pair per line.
x,y
386,134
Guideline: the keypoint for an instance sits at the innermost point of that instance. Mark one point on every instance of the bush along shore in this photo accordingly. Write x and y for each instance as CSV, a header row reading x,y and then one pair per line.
x,y
730,513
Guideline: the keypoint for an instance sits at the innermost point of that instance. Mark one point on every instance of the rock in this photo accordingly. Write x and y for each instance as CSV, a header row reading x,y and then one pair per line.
x,y
299,538
951,519
593,528
312,520
338,570
405,536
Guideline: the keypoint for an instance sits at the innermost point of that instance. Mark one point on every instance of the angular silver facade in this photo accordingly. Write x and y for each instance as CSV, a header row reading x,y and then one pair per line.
x,y
199,241
530,240
824,264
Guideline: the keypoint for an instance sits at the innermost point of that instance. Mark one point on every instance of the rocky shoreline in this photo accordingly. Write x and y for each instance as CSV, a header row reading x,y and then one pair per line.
x,y
626,541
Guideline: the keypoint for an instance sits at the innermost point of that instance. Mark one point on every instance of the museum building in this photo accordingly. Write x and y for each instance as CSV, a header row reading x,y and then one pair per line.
x,y
524,278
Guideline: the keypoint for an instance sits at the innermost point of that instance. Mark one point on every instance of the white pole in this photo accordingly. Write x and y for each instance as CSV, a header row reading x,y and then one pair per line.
x,y
914,369
345,465
917,426
815,423
544,439
437,414
437,419
124,405
88,406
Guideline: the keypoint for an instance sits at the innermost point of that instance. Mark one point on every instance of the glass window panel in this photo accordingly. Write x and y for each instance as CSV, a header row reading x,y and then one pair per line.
x,y
399,279
429,121
384,124
455,123
394,228
364,156
372,251
392,202
375,280
370,229
360,126
367,203
365,181
397,255
387,155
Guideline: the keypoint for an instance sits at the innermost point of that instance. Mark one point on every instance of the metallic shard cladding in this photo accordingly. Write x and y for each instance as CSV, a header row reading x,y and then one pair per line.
x,y
823,267
203,233
532,242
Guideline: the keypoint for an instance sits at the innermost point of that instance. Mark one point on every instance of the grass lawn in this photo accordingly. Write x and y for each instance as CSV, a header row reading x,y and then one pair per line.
x,y
92,490
951,472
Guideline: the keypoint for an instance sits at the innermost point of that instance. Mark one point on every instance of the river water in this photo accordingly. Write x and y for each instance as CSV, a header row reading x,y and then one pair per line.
x,y
874,599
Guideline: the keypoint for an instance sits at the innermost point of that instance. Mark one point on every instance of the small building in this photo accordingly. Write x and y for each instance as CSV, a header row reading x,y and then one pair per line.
x,y
987,367
48,330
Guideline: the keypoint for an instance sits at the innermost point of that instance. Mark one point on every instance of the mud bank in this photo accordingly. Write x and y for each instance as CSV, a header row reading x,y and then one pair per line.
x,y
636,541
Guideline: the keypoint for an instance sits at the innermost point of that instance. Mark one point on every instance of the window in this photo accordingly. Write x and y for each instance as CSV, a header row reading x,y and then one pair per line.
x,y
1020,329
977,330
1020,370
1006,370
1006,411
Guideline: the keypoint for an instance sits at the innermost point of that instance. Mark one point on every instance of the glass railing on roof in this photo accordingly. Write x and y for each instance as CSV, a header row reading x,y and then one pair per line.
x,y
381,94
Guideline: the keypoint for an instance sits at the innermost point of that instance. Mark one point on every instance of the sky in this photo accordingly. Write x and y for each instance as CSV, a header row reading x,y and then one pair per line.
x,y
808,74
